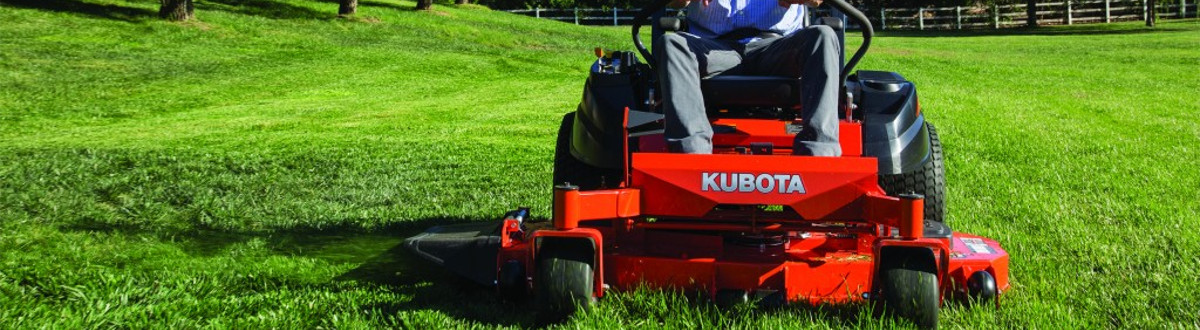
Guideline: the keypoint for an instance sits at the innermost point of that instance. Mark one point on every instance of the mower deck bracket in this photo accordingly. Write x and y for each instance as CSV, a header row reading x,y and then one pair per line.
x,y
907,213
572,206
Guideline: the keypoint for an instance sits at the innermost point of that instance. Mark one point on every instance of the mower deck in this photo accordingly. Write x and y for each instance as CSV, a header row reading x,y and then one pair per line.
x,y
685,228
814,268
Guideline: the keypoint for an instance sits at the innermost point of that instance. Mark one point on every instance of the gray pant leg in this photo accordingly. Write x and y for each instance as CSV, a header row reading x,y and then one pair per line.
x,y
683,60
811,54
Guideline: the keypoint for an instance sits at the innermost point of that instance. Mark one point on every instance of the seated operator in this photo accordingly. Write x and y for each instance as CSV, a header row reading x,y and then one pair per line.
x,y
750,37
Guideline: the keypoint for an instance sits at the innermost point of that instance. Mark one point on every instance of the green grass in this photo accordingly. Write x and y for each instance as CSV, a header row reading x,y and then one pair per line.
x,y
258,168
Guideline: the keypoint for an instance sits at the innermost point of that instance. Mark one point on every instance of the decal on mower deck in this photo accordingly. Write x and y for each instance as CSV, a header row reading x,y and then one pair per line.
x,y
978,246
748,182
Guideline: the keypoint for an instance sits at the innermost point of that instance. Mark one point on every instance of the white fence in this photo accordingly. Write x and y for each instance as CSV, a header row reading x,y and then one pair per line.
x,y
961,17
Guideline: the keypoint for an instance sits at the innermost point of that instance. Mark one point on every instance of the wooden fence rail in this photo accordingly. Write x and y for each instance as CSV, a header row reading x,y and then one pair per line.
x,y
960,17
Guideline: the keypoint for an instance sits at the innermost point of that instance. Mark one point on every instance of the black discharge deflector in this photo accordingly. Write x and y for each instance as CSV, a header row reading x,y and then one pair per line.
x,y
468,250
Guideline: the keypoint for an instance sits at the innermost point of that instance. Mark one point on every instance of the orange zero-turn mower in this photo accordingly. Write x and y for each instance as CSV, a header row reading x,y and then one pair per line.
x,y
750,222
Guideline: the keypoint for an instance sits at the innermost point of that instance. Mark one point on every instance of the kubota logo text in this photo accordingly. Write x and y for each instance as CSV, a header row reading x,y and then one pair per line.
x,y
747,182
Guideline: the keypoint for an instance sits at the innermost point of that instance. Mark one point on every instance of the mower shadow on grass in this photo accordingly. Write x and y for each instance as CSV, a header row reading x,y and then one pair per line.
x,y
380,257
434,288
343,240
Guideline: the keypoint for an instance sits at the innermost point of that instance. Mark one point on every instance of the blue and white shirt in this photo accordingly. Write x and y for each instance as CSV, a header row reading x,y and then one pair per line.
x,y
724,16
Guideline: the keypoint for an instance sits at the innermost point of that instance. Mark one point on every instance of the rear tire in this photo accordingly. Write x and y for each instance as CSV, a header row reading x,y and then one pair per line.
x,y
564,282
929,180
568,169
911,292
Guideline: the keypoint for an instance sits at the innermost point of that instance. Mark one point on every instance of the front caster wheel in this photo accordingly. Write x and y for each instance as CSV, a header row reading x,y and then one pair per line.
x,y
911,293
564,282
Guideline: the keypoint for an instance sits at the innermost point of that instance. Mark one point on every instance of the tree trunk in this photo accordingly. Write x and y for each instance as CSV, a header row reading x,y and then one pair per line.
x,y
1151,12
1031,12
176,10
461,2
347,7
424,4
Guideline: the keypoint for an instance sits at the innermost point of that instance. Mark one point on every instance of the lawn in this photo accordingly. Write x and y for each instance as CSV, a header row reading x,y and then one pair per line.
x,y
259,167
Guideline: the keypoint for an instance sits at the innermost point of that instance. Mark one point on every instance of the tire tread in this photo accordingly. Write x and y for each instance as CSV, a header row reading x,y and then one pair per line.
x,y
929,180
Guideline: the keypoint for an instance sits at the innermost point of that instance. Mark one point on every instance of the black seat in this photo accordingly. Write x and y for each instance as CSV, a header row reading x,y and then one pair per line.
x,y
750,91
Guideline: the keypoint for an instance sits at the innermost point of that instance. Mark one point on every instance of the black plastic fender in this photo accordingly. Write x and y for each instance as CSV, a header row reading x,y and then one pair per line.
x,y
598,133
893,127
